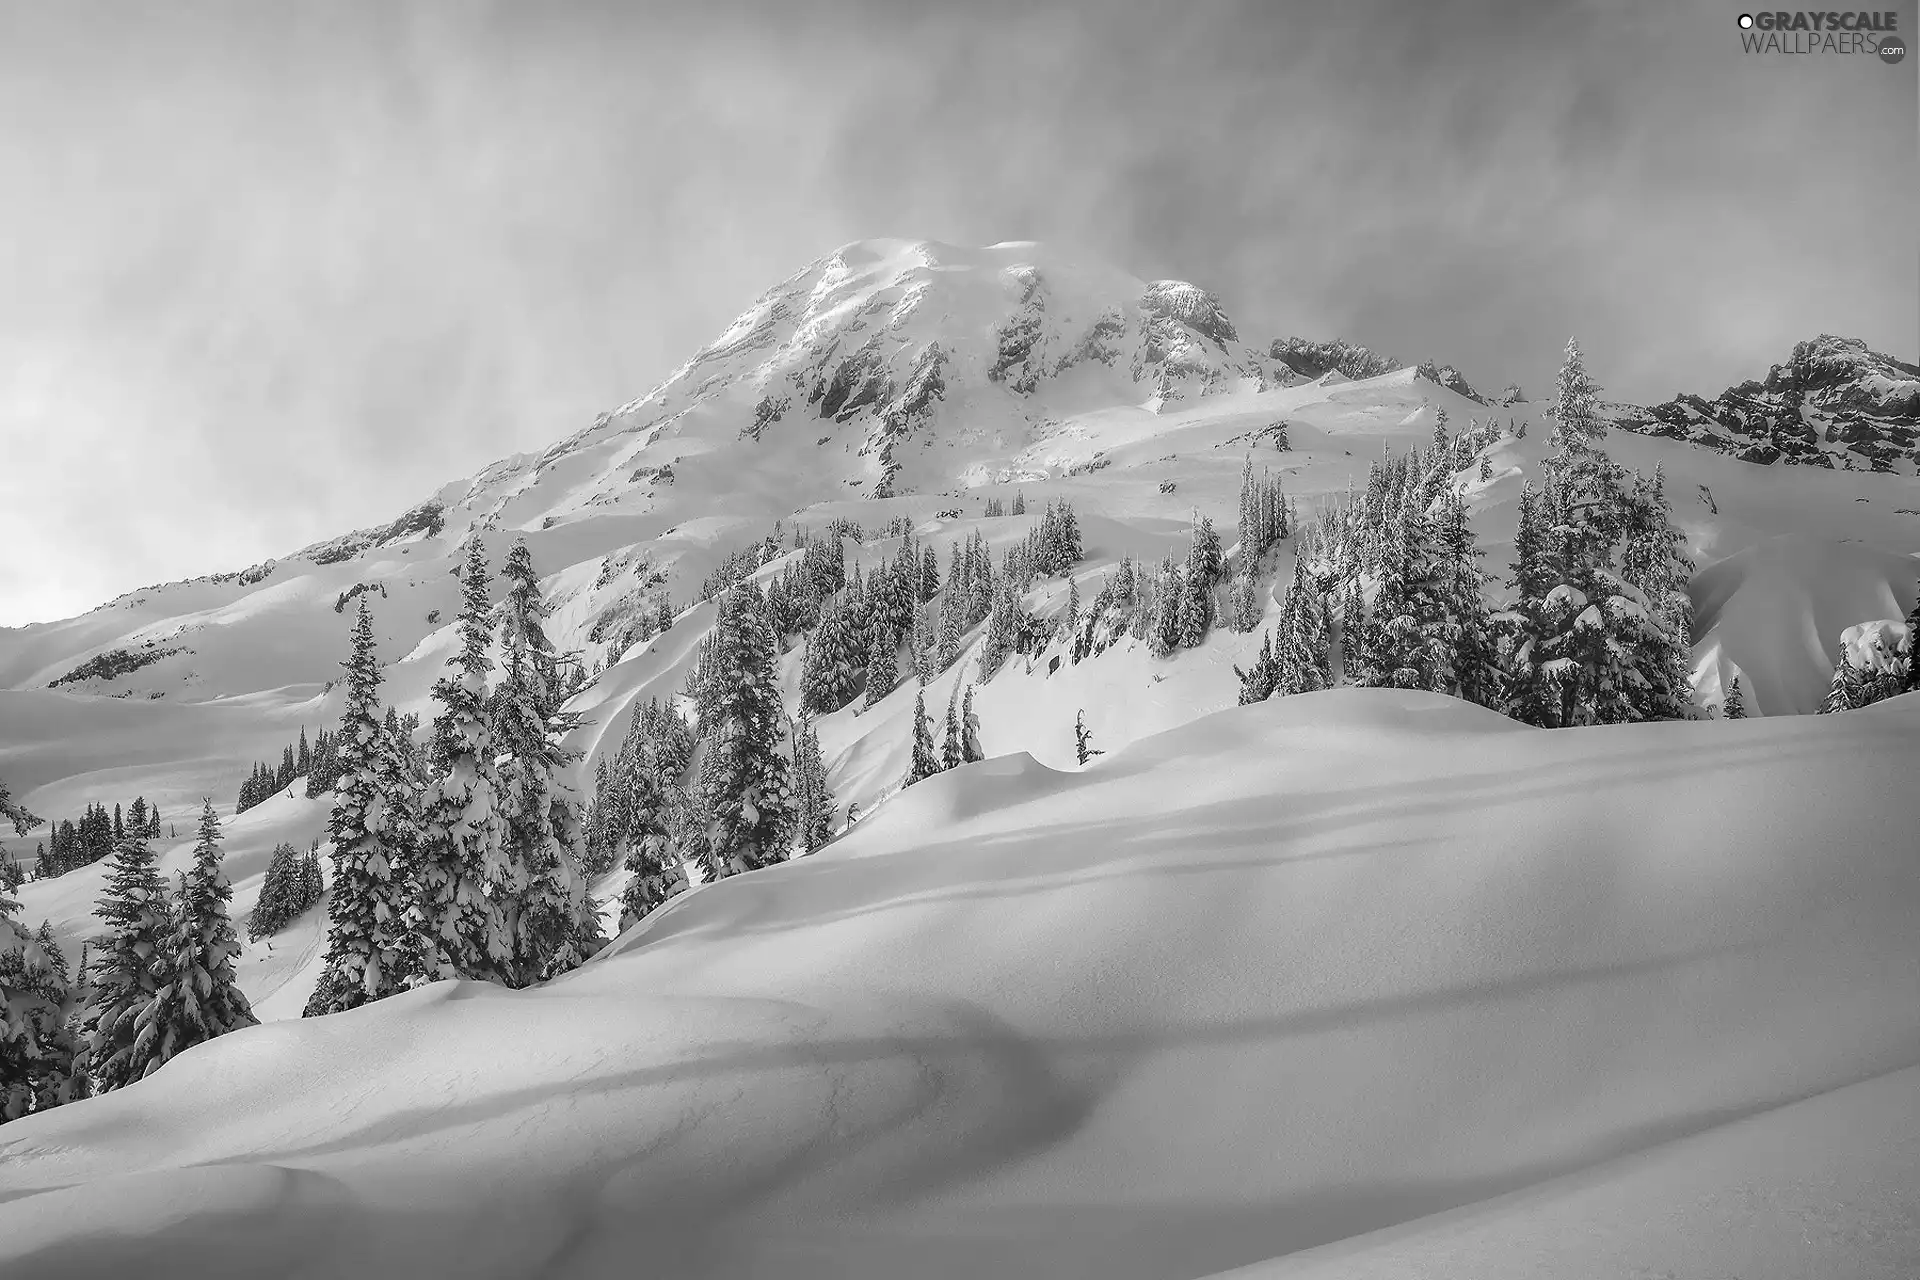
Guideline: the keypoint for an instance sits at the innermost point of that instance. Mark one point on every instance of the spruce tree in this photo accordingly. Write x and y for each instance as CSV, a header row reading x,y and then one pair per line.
x,y
745,785
37,1049
970,749
125,974
1019,503
926,758
280,889
1302,654
545,917
373,828
1735,706
1262,678
814,798
201,997
950,752
656,871
830,671
461,838
882,665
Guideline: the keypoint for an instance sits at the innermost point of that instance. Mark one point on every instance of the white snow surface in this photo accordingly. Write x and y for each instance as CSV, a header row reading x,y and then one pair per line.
x,y
1360,983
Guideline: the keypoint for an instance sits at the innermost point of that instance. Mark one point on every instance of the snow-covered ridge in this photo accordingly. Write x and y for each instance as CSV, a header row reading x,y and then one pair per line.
x,y
1833,403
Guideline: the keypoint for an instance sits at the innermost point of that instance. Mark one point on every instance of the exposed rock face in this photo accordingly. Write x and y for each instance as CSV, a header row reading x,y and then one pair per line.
x,y
1449,377
1834,403
1311,359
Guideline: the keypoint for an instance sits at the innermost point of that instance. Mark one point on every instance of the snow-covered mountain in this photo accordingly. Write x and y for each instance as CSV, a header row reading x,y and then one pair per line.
x,y
1168,944
1833,403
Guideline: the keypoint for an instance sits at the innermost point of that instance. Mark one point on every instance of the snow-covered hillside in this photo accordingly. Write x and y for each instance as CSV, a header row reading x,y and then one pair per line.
x,y
1055,378
1258,980
1380,976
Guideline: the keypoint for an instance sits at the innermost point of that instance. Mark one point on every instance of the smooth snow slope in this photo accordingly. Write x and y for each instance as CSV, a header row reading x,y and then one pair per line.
x,y
1291,976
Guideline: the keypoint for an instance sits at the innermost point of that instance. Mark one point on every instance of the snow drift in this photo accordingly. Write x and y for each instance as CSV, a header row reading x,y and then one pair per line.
x,y
1296,976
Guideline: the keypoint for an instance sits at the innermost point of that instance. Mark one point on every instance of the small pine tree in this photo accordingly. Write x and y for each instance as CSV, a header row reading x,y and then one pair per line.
x,y
1019,503
1735,706
1486,468
971,751
926,759
815,797
950,752
1083,749
882,665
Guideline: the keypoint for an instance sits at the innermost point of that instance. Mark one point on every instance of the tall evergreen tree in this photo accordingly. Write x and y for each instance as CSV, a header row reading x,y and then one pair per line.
x,y
462,842
926,758
950,753
36,1044
745,785
882,664
539,889
1262,677
281,894
830,671
373,829
657,872
815,803
125,973
970,749
200,998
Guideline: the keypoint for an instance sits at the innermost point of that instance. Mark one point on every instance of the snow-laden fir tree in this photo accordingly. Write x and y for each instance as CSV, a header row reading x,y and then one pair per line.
x,y
280,894
200,998
36,1044
125,974
37,1047
1303,649
1019,503
1735,707
814,797
745,792
1441,441
657,872
926,757
950,752
373,826
971,751
1461,585
882,665
462,839
1259,681
830,671
539,890
1070,620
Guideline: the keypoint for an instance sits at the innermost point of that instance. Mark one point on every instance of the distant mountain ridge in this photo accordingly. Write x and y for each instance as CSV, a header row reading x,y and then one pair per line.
x,y
1834,403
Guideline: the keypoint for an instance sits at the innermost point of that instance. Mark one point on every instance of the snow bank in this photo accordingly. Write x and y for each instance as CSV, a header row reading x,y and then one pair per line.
x,y
1293,976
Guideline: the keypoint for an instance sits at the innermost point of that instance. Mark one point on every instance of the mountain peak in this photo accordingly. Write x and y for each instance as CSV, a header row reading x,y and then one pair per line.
x,y
1834,402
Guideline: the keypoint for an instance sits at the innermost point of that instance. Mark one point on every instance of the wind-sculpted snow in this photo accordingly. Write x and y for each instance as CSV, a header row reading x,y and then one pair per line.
x,y
1296,976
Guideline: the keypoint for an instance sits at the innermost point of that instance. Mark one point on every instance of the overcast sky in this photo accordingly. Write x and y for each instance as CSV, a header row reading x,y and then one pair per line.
x,y
271,271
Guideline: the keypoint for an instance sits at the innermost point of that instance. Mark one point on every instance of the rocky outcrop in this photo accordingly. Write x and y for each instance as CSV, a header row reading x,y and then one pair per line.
x,y
1833,403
